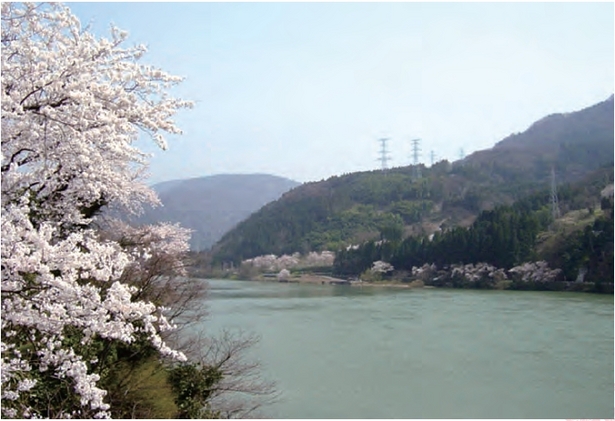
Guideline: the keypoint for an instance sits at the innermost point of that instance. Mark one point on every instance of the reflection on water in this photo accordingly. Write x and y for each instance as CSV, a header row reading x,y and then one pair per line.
x,y
349,352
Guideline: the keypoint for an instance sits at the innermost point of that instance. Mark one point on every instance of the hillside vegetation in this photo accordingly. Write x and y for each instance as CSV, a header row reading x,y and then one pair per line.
x,y
393,205
579,244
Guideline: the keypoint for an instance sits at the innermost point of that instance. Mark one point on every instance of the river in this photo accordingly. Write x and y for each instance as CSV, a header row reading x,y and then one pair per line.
x,y
368,352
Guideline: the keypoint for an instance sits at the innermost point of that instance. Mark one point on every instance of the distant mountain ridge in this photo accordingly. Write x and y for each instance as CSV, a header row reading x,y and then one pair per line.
x,y
355,207
572,143
212,205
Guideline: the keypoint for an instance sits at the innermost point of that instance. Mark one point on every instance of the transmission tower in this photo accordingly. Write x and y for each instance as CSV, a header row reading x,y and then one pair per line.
x,y
384,155
462,153
432,157
416,149
554,201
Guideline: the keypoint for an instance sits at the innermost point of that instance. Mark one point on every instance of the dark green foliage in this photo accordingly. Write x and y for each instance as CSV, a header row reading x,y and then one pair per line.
x,y
590,249
503,237
355,261
392,228
193,385
411,211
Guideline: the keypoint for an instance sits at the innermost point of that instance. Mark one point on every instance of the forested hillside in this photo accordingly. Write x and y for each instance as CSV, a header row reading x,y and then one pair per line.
x,y
573,143
510,235
394,204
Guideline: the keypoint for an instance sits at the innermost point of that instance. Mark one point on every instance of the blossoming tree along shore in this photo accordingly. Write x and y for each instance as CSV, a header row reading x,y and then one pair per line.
x,y
72,107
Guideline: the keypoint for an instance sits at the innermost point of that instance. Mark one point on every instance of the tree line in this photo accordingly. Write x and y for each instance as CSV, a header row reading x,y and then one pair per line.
x,y
504,237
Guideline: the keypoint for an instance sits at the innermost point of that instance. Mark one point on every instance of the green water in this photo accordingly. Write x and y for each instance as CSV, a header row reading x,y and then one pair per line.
x,y
349,352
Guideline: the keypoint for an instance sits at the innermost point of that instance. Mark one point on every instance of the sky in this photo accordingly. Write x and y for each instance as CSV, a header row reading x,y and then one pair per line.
x,y
305,90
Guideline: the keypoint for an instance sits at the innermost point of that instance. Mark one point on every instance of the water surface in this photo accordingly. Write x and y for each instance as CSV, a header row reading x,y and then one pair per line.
x,y
349,352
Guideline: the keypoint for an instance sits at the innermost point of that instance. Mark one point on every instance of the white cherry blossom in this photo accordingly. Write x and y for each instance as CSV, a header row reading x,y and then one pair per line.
x,y
271,262
72,107
380,266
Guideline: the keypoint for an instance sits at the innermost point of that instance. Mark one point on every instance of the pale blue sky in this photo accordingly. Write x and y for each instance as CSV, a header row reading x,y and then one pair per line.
x,y
304,90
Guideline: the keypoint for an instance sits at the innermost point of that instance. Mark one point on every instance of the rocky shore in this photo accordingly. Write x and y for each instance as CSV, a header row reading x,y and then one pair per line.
x,y
528,276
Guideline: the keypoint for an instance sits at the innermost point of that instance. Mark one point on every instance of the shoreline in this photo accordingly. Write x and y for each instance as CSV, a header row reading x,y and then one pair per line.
x,y
418,284
330,280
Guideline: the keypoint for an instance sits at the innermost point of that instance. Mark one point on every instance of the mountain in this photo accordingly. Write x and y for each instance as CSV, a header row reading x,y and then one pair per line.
x,y
213,205
572,143
356,207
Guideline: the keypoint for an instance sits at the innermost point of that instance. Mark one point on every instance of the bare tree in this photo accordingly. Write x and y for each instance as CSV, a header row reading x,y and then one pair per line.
x,y
240,392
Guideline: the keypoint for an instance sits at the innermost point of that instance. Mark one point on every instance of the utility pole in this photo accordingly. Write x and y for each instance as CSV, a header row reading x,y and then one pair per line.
x,y
432,156
384,155
416,149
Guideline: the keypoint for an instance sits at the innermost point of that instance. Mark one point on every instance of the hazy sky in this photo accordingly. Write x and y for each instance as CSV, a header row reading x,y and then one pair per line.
x,y
304,90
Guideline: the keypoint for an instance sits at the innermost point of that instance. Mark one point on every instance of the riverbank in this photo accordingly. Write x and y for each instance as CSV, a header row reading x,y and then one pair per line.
x,y
330,280
304,278
536,276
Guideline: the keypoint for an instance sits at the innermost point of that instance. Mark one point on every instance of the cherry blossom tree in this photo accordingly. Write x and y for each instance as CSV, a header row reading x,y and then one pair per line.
x,y
271,262
535,272
73,106
324,258
382,267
